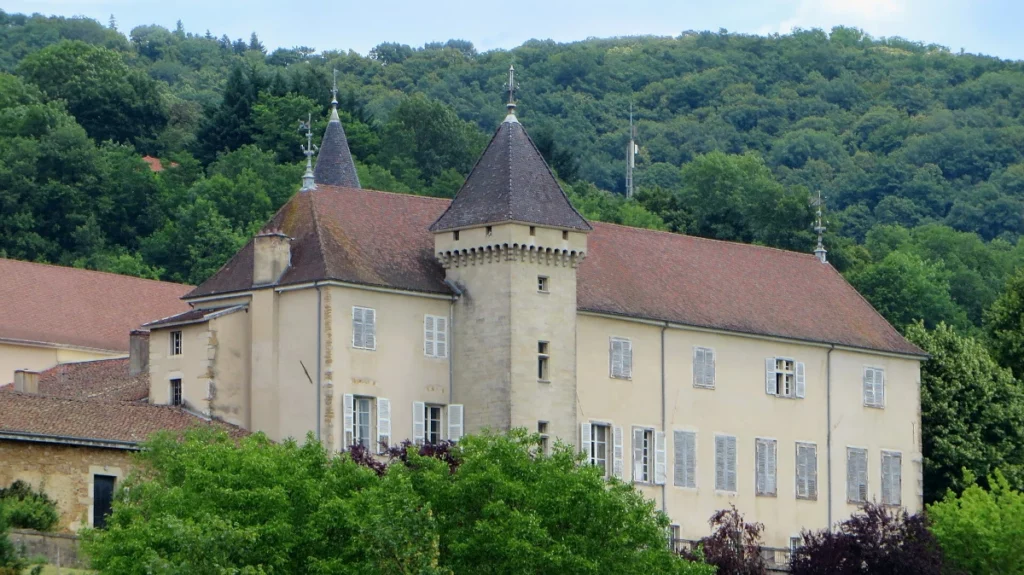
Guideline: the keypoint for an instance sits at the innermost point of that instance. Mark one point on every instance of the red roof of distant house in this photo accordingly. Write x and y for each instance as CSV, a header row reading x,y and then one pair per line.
x,y
382,239
155,164
97,379
29,416
55,305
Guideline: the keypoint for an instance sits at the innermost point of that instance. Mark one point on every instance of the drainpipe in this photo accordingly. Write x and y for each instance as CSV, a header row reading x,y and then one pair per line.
x,y
319,355
451,337
664,407
828,421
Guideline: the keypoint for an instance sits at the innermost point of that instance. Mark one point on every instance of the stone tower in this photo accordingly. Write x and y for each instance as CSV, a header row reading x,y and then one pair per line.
x,y
511,242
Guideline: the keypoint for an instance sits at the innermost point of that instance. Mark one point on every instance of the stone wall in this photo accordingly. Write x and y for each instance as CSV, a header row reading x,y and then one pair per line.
x,y
63,472
60,549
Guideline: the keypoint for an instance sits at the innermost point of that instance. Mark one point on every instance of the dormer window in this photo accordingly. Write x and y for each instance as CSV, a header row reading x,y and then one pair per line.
x,y
455,235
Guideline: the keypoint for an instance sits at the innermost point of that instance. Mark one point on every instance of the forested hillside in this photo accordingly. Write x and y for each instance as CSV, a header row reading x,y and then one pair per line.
x,y
919,152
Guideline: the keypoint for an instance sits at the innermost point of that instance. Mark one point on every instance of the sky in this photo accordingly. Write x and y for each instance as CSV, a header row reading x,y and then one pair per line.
x,y
981,26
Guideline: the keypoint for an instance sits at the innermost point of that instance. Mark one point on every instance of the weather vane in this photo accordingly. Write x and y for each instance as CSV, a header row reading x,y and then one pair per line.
x,y
309,150
512,87
819,227
334,89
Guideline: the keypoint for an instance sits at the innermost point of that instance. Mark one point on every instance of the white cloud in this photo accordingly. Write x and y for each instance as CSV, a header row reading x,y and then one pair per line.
x,y
868,14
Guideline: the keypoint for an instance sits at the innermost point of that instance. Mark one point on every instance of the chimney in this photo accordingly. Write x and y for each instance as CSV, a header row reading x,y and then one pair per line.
x,y
138,352
272,254
26,381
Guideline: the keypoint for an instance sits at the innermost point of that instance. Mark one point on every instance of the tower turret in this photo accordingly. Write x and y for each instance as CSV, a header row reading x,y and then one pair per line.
x,y
334,164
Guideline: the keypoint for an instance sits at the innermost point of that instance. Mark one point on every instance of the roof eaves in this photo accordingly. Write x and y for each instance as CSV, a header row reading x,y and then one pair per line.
x,y
69,440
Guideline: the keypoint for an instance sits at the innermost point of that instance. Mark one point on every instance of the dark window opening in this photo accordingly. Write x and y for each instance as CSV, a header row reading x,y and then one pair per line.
x,y
565,235
533,230
176,398
489,229
542,360
102,499
455,235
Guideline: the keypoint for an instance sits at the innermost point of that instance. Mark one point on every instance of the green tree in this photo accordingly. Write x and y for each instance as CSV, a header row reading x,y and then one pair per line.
x,y
1004,322
980,530
972,412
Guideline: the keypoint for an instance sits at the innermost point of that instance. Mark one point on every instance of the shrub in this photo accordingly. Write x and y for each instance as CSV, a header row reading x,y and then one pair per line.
x,y
878,540
734,546
10,562
25,508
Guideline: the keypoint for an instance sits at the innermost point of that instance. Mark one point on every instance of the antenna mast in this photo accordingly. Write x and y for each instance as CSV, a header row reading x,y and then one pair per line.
x,y
630,154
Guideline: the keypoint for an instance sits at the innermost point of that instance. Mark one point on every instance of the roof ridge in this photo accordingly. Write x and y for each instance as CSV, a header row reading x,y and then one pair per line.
x,y
87,270
709,240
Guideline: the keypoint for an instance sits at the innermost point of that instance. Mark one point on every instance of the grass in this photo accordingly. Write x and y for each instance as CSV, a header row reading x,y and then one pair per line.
x,y
52,570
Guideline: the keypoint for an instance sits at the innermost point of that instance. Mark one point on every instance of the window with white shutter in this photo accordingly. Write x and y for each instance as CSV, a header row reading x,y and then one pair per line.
x,y
602,446
704,367
874,387
806,471
432,424
785,377
435,336
455,412
383,424
348,406
856,475
765,454
618,469
419,423
660,458
684,466
892,477
644,455
621,358
725,463
363,423
364,328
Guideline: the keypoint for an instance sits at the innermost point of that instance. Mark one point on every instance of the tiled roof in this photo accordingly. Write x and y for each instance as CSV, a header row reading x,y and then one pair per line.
x,y
82,308
193,316
511,182
99,379
334,165
381,239
22,413
362,236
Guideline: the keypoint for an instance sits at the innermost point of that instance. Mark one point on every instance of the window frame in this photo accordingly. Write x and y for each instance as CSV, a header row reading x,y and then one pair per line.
x,y
542,431
882,468
735,464
176,343
362,344
705,350
179,392
609,447
430,336
357,400
867,475
428,410
543,284
543,361
811,495
624,373
676,434
774,444
876,387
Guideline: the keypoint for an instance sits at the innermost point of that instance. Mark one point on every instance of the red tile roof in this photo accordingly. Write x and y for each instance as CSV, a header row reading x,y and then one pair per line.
x,y
382,239
22,413
155,164
98,379
194,316
81,308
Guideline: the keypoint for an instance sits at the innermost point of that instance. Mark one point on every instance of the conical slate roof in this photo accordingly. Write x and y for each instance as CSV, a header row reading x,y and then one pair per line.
x,y
334,165
511,182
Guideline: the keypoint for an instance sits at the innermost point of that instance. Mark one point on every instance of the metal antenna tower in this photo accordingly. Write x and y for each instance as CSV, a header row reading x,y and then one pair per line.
x,y
631,152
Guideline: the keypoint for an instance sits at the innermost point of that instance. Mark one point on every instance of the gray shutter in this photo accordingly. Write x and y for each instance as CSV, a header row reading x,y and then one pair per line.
x,y
869,386
357,327
769,376
419,422
370,328
614,357
730,459
348,405
383,424
617,466
721,470
879,388
801,471
660,463
428,336
638,454
761,461
698,367
709,368
856,475
455,422
771,468
679,475
586,435
801,379
441,336
811,458
627,359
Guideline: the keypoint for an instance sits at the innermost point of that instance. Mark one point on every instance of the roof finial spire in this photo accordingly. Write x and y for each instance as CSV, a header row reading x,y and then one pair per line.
x,y
512,87
819,227
308,150
334,98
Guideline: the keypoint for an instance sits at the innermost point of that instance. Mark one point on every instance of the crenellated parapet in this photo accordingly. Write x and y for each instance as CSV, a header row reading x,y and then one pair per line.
x,y
530,253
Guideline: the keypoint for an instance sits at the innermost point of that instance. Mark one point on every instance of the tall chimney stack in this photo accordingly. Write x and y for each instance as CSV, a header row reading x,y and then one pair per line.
x,y
272,255
138,352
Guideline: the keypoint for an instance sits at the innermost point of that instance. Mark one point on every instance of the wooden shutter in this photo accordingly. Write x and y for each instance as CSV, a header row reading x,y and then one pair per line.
x,y
383,424
879,388
638,454
370,328
684,466
801,379
709,367
428,336
721,469
869,386
617,466
627,359
811,456
892,479
772,467
419,422
441,336
730,460
586,441
455,422
616,357
769,376
348,405
761,457
660,462
357,327
856,475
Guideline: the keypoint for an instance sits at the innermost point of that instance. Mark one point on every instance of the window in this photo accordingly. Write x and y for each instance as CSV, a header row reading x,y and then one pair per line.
x,y
364,328
892,477
806,471
533,230
362,410
432,423
102,499
725,463
455,235
176,397
565,234
766,459
643,451
795,543
542,360
675,538
542,430
176,342
489,230
704,367
595,443
684,471
621,358
435,336
784,377
542,284
856,475
874,387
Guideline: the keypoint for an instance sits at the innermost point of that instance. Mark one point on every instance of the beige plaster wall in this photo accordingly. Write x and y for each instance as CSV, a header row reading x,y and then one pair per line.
x,y
63,472
37,358
192,366
228,372
739,406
